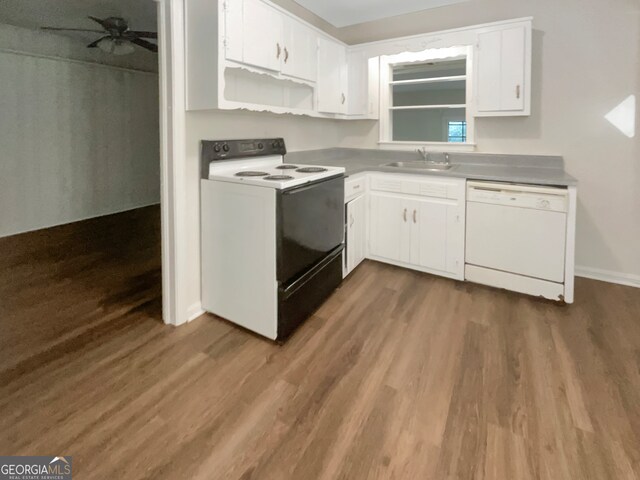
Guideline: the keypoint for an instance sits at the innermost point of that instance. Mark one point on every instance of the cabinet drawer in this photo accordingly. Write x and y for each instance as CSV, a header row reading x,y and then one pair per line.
x,y
354,187
435,188
385,184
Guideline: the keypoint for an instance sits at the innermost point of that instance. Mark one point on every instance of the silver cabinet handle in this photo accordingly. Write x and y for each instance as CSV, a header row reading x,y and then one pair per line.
x,y
286,55
344,99
404,215
415,220
278,50
518,92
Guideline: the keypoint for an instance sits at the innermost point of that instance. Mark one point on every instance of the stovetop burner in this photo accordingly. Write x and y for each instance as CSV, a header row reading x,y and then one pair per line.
x,y
279,177
250,173
311,170
286,167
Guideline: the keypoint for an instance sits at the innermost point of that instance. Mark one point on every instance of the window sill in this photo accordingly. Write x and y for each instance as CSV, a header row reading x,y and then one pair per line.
x,y
429,146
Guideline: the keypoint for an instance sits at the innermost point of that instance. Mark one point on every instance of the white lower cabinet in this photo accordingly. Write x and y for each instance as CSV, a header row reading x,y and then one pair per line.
x,y
390,232
415,229
355,234
420,222
429,235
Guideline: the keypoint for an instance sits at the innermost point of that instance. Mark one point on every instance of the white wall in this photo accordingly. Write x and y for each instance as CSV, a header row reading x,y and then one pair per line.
x,y
586,60
77,139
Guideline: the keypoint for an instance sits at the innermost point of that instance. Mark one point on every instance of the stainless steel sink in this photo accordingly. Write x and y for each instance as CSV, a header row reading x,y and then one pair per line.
x,y
430,166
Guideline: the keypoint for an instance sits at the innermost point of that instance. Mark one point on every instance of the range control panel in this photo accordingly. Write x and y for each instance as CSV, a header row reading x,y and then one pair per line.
x,y
213,150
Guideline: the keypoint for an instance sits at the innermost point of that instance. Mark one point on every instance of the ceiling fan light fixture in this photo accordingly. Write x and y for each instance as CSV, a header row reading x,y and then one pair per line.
x,y
116,47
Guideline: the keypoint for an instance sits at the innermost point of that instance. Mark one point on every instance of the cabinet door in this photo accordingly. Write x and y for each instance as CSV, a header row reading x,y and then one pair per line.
x,y
356,233
437,236
363,84
358,89
344,80
501,76
300,53
429,234
488,71
332,77
262,35
389,228
512,82
233,36
456,239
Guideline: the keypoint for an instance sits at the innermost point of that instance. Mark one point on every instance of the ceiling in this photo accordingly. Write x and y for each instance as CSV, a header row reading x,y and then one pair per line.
x,y
141,14
342,13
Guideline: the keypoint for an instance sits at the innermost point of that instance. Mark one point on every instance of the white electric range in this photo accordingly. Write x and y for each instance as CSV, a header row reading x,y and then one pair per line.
x,y
272,235
269,171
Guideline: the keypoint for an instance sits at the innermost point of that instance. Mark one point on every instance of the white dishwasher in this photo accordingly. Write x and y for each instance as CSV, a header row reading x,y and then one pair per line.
x,y
516,237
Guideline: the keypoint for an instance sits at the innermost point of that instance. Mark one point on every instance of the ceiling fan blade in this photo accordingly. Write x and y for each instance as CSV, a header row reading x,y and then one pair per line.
x,y
102,23
137,33
71,29
144,44
95,44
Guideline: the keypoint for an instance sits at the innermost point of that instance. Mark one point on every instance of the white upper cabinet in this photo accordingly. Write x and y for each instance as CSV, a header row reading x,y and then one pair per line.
x,y
263,29
363,84
332,77
300,51
503,72
233,29
258,35
254,55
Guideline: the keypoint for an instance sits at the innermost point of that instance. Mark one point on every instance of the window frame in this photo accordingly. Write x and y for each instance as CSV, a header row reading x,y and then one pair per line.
x,y
387,64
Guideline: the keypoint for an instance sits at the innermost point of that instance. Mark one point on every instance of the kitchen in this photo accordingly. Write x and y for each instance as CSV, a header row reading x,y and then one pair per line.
x,y
399,240
505,221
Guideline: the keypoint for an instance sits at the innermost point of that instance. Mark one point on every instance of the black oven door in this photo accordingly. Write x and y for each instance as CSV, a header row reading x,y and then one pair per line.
x,y
298,301
310,226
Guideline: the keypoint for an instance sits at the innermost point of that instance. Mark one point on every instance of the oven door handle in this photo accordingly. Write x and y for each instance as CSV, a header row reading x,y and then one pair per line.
x,y
308,186
287,290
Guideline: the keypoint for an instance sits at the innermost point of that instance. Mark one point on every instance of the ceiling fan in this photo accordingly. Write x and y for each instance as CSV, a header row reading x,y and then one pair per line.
x,y
119,40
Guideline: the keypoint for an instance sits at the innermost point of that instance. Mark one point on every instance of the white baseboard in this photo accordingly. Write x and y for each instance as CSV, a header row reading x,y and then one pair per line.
x,y
194,311
609,276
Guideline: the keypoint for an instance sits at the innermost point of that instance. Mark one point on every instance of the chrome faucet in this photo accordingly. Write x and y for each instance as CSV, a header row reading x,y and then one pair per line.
x,y
426,156
423,153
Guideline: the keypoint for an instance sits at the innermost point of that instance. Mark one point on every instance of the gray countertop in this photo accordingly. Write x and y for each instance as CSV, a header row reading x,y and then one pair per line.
x,y
529,169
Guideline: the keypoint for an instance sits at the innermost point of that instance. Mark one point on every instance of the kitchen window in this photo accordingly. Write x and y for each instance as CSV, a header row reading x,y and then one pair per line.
x,y
457,132
424,98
